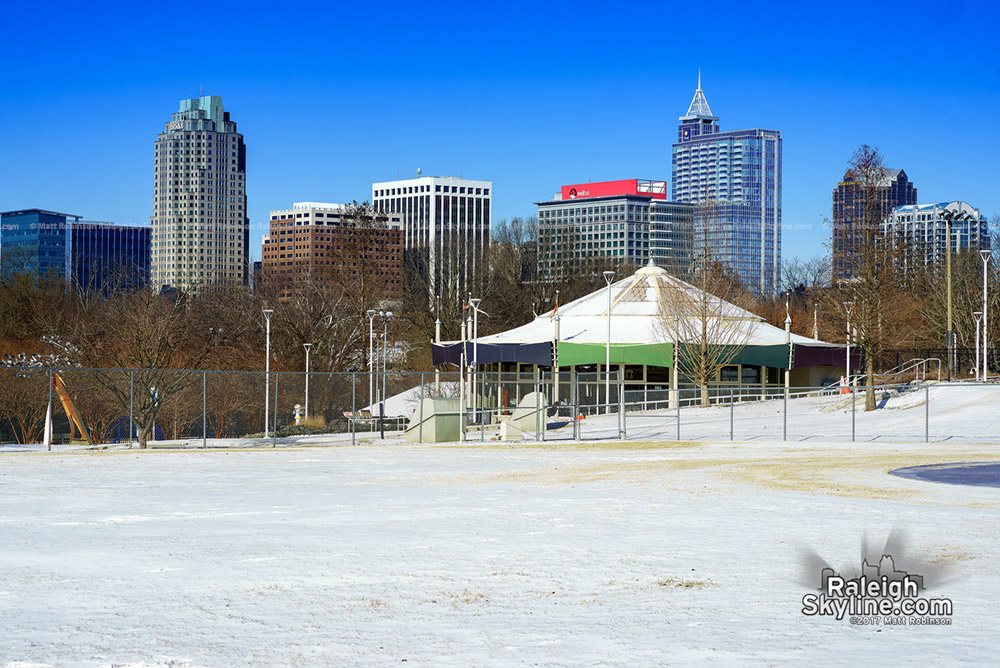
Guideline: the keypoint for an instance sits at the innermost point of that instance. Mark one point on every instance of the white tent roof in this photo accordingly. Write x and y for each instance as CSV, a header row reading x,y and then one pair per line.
x,y
637,303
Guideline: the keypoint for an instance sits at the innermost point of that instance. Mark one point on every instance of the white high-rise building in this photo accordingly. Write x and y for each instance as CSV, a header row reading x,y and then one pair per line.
x,y
445,216
200,229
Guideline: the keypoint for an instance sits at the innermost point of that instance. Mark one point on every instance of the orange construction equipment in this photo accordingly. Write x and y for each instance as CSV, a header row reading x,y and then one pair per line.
x,y
844,387
75,421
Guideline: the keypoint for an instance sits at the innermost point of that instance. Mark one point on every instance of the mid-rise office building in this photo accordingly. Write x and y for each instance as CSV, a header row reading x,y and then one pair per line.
x,y
92,256
734,181
446,223
919,231
320,242
201,232
614,220
894,190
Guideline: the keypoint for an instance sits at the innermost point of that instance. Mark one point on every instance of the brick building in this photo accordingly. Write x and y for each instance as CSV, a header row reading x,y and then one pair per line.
x,y
337,243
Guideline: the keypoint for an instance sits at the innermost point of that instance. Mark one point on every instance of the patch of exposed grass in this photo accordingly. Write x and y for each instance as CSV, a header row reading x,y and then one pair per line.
x,y
679,583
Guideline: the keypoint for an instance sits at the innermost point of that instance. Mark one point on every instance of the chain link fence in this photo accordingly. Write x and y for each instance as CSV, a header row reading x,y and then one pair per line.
x,y
208,407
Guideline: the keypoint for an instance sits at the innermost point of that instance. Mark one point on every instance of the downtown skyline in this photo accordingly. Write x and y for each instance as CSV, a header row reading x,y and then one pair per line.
x,y
323,125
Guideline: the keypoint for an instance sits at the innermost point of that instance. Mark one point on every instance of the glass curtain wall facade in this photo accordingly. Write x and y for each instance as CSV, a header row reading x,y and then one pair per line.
x,y
105,257
446,226
895,190
622,227
35,240
200,229
733,179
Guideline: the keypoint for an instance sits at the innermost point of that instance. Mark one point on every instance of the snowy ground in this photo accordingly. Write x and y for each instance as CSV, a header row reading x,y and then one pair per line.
x,y
625,554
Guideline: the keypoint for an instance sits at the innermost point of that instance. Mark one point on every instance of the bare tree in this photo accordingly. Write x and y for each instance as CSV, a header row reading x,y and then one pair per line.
x,y
880,311
700,318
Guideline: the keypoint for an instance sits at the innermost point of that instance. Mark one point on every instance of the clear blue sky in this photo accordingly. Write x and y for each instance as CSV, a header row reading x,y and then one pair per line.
x,y
331,98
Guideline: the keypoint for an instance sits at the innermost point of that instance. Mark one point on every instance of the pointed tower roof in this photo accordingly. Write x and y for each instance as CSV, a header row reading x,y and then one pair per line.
x,y
699,106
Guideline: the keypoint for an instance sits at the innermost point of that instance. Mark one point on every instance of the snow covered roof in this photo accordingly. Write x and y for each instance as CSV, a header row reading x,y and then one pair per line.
x,y
637,304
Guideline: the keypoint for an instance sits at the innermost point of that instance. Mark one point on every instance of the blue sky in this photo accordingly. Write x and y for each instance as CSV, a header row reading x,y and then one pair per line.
x,y
332,97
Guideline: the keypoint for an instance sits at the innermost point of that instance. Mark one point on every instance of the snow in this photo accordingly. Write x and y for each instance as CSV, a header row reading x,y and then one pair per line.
x,y
554,554
601,552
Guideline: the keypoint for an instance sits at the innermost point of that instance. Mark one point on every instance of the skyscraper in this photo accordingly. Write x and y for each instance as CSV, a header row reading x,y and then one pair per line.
x,y
200,229
734,179
446,224
894,190
616,221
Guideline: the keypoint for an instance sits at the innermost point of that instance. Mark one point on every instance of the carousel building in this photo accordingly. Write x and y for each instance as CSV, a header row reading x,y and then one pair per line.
x,y
650,326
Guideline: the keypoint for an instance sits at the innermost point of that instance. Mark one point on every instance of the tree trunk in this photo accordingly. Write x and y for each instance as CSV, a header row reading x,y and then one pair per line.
x,y
705,400
143,437
869,381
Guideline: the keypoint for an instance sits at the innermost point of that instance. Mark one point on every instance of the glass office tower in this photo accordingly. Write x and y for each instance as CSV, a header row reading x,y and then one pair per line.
x,y
733,179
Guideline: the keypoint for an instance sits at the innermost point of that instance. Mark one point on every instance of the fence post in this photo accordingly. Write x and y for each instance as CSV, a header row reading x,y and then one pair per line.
x,y
678,412
576,403
622,430
274,434
131,395
482,406
204,409
353,423
854,395
732,403
927,413
420,425
784,418
539,402
48,415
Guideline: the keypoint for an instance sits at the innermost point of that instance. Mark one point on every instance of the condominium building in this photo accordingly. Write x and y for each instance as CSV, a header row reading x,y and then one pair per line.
x,y
320,242
894,190
919,231
92,256
446,224
200,227
614,220
734,181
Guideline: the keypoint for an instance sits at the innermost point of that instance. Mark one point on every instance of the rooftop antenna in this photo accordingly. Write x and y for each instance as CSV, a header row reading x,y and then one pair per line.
x,y
419,172
200,91
699,78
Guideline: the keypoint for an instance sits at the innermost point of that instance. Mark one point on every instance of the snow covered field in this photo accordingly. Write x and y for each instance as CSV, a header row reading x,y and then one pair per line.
x,y
624,554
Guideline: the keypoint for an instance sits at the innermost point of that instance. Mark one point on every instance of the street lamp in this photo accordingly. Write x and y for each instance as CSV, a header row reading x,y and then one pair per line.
x,y
385,353
307,346
475,352
608,276
267,369
978,316
985,254
371,354
815,321
848,306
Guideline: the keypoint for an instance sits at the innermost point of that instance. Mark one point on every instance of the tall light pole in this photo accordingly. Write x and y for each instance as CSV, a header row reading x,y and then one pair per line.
x,y
307,346
475,352
978,317
267,369
948,215
815,321
608,276
848,306
437,339
371,355
385,353
985,254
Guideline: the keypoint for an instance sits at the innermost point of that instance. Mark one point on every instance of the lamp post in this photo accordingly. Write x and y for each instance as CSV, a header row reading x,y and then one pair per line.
x,y
475,352
267,368
848,306
815,321
371,354
385,351
947,214
985,254
978,317
608,276
437,339
307,346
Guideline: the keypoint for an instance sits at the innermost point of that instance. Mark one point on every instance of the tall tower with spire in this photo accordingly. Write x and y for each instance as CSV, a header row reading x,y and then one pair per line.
x,y
734,179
